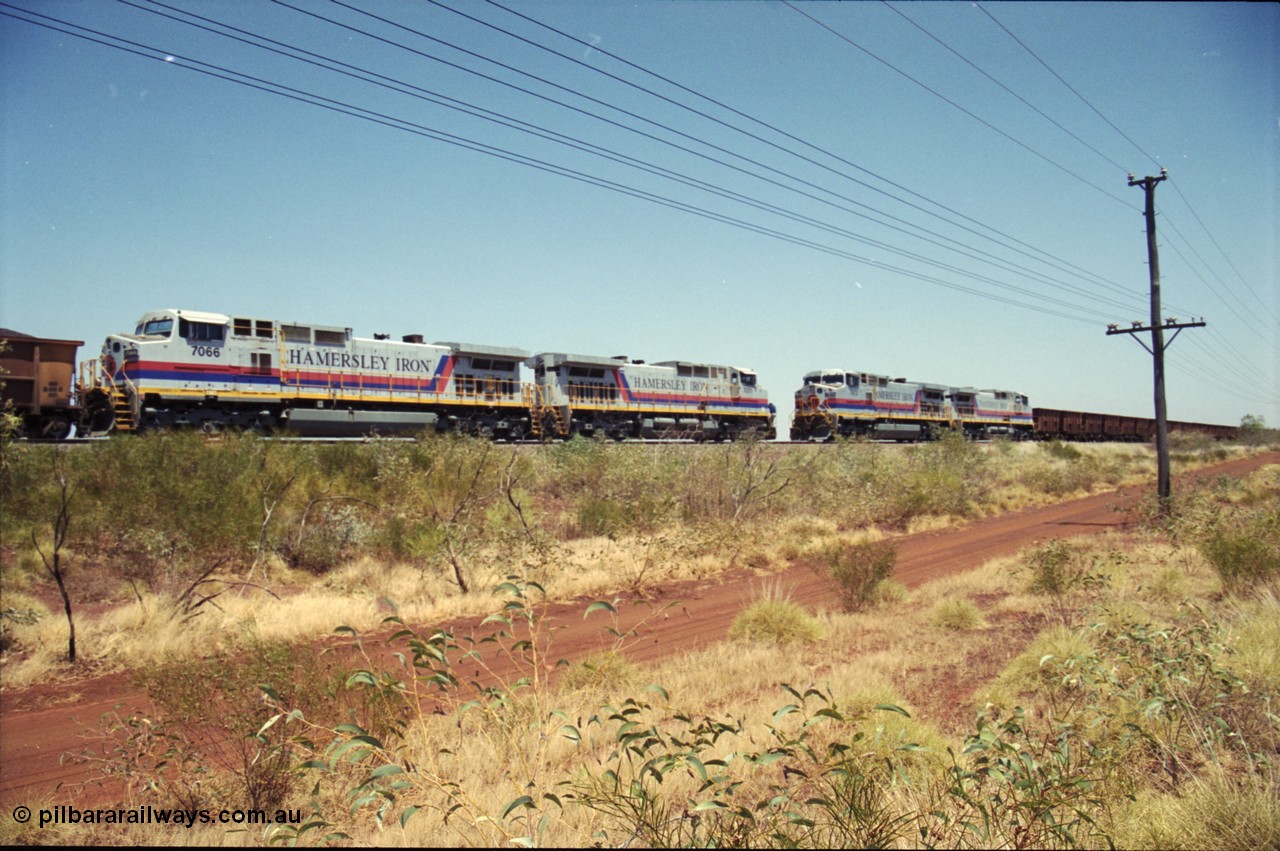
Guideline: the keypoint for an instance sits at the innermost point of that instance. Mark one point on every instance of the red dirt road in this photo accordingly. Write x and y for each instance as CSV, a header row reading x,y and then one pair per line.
x,y
41,724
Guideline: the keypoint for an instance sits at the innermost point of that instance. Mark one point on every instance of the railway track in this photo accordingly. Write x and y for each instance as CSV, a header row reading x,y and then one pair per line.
x,y
98,441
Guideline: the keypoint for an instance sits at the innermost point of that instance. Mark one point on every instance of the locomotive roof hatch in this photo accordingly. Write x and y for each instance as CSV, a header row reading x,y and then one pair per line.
x,y
481,349
199,316
555,359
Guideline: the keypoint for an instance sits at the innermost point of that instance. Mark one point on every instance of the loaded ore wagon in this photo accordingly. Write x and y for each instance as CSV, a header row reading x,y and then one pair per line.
x,y
39,383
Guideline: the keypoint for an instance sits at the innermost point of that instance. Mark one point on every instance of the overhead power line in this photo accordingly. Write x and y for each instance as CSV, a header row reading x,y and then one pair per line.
x,y
952,103
280,48
1253,292
1039,253
1269,336
1071,88
1247,319
174,59
893,223
1037,110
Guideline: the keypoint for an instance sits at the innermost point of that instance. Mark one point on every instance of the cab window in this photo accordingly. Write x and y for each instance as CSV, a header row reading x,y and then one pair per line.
x,y
156,327
202,331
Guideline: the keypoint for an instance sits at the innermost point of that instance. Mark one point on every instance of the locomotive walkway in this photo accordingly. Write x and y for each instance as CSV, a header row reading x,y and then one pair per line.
x,y
38,725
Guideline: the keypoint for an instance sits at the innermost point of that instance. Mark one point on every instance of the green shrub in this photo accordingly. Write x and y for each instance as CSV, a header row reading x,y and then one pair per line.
x,y
948,477
888,592
1256,642
333,534
1244,547
1052,568
856,570
1021,784
1190,441
14,616
1169,585
1060,480
1062,451
597,516
202,746
784,792
200,499
1063,572
1026,674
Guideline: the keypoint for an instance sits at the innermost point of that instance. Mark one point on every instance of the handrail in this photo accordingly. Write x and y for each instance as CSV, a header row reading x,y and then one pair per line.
x,y
481,389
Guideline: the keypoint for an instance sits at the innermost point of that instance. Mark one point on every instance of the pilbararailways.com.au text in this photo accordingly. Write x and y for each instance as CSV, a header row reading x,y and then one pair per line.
x,y
147,814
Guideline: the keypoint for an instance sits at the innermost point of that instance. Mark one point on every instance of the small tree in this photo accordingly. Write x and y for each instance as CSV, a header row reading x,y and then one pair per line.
x,y
53,562
1254,432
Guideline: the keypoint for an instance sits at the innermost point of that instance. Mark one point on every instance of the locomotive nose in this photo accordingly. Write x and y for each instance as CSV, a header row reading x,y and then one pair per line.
x,y
112,356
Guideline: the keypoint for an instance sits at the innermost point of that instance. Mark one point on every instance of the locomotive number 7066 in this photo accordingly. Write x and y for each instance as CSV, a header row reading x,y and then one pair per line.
x,y
206,352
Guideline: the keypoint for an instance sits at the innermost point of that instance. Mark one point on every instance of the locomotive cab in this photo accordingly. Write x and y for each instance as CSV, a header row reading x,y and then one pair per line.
x,y
820,386
166,371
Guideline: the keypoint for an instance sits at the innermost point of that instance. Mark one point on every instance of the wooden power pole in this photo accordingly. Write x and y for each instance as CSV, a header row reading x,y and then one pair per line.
x,y
1158,344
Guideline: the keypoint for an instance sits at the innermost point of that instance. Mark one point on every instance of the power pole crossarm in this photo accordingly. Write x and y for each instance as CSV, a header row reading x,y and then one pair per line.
x,y
1169,324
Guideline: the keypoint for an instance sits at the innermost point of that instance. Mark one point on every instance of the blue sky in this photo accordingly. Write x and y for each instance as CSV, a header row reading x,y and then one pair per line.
x,y
782,187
